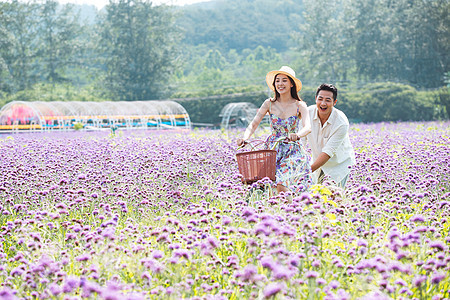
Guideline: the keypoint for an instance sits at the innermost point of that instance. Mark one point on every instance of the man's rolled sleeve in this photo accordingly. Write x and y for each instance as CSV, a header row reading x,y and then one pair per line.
x,y
335,140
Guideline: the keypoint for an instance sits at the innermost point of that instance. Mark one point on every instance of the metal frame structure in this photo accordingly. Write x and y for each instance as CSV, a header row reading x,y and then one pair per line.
x,y
238,115
59,115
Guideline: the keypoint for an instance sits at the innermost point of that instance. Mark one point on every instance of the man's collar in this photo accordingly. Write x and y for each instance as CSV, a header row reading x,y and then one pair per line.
x,y
316,113
332,116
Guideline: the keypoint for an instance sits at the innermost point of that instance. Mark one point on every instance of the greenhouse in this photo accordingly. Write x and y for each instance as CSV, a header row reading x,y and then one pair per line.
x,y
238,115
59,115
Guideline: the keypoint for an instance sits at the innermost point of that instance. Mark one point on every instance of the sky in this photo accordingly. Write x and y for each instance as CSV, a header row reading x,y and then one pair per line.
x,y
101,3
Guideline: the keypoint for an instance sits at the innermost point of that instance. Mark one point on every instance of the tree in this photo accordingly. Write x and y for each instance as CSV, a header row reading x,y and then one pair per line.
x,y
139,45
403,40
215,60
18,40
38,43
259,61
5,46
372,40
241,24
423,43
59,29
323,40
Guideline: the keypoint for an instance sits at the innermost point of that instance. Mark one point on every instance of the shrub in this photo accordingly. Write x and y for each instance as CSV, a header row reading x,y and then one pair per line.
x,y
78,126
443,99
389,102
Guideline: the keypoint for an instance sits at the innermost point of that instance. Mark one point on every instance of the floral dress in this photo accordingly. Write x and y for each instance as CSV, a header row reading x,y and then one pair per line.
x,y
293,169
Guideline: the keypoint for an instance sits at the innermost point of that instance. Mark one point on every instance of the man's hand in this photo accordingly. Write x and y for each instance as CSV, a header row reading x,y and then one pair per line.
x,y
293,137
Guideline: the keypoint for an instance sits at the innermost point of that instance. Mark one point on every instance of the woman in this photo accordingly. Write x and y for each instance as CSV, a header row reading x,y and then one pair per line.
x,y
286,110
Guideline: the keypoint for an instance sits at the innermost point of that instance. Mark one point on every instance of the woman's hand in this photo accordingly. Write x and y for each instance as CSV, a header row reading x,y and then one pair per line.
x,y
293,137
240,142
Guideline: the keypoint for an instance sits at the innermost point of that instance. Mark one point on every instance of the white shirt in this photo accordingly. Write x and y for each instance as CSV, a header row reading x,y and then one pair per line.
x,y
332,138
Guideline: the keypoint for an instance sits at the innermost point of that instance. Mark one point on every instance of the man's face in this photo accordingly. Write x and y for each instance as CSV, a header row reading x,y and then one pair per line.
x,y
325,103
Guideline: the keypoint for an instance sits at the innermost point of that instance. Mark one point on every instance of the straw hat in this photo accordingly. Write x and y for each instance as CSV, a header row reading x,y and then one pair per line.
x,y
286,71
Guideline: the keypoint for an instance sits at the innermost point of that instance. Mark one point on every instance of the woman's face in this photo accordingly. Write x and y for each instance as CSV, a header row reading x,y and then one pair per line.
x,y
283,84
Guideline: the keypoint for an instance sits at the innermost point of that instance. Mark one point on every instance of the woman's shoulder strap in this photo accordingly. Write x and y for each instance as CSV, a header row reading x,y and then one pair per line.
x,y
299,104
270,100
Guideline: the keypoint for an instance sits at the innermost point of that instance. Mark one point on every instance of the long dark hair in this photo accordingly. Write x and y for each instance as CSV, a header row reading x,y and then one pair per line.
x,y
294,93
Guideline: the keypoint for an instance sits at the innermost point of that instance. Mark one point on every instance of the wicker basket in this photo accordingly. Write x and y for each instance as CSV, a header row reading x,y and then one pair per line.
x,y
255,165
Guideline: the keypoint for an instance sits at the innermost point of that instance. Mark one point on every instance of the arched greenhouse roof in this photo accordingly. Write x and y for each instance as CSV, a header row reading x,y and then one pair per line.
x,y
39,115
237,114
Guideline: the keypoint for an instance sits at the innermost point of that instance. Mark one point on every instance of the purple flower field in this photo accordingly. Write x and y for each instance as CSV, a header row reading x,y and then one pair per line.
x,y
151,215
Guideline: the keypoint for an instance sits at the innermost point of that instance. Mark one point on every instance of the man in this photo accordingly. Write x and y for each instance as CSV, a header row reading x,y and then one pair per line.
x,y
332,152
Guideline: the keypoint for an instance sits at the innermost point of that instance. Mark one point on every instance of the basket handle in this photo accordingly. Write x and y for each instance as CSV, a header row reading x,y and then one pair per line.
x,y
253,144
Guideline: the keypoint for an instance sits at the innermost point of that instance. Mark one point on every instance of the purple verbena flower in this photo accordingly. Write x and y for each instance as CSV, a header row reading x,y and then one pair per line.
x,y
438,277
311,274
417,218
83,257
418,280
440,246
272,289
249,272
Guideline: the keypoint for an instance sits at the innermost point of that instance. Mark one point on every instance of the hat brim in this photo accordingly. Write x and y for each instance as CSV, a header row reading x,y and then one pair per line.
x,y
271,76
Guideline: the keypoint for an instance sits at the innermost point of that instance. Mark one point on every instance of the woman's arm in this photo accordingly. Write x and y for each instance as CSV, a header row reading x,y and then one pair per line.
x,y
306,122
262,111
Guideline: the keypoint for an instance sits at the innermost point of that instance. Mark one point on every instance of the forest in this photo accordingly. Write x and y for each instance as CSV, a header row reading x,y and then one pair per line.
x,y
389,58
